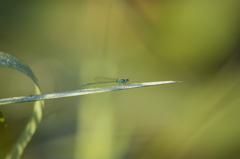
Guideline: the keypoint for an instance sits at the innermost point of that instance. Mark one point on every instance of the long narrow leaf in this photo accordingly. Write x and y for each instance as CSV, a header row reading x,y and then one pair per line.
x,y
9,61
80,92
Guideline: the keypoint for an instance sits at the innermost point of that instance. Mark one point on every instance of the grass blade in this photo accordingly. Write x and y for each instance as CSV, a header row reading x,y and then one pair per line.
x,y
80,92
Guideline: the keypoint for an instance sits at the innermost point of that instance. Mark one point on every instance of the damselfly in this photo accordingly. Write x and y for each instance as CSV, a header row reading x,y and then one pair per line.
x,y
108,80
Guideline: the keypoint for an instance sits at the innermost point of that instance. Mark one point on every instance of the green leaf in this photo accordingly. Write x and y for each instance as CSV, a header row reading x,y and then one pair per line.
x,y
9,61
80,92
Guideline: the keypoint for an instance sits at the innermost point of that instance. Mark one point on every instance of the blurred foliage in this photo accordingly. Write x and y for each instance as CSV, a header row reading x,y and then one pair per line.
x,y
68,43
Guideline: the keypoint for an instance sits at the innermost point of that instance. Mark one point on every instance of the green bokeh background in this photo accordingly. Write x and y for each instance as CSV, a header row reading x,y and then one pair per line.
x,y
68,43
